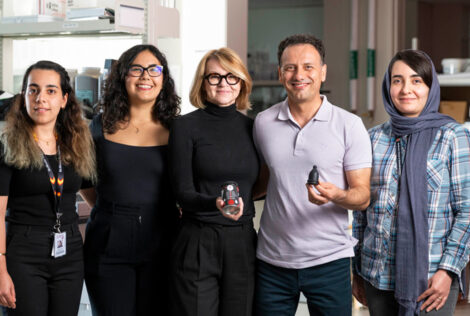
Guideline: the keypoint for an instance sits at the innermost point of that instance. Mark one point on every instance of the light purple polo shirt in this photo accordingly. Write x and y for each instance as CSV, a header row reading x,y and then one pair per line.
x,y
295,233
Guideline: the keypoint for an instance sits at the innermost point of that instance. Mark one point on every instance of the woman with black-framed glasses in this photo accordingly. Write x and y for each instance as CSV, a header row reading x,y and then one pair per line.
x,y
213,259
134,216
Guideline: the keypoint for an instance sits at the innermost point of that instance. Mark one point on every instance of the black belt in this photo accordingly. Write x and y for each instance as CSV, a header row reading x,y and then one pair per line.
x,y
248,223
117,208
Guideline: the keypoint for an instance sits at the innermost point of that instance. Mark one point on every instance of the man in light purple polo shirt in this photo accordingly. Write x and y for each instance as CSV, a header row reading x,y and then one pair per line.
x,y
304,244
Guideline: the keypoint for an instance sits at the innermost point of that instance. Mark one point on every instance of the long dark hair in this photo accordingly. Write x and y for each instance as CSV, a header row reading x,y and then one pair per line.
x,y
76,145
416,60
115,103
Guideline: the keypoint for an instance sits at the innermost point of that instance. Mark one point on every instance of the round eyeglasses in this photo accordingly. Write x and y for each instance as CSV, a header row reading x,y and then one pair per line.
x,y
215,79
152,70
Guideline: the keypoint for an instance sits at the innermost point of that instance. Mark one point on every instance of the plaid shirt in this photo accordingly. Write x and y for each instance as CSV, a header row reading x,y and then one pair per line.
x,y
448,175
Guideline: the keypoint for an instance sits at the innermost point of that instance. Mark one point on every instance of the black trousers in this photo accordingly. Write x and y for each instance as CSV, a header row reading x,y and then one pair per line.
x,y
126,272
45,286
128,290
213,270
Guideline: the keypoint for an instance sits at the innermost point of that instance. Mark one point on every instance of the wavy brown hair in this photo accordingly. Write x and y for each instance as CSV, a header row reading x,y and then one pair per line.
x,y
115,103
76,144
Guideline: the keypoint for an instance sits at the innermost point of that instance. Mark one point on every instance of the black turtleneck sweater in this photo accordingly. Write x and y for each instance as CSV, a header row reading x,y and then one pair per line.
x,y
207,148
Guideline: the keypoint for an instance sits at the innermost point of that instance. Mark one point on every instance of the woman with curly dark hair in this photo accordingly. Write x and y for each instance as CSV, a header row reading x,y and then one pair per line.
x,y
134,216
46,150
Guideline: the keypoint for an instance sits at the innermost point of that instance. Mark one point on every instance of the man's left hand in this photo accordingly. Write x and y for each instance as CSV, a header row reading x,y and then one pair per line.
x,y
437,292
327,192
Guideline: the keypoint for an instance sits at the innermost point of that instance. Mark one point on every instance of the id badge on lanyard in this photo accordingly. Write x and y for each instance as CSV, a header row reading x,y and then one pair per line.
x,y
59,246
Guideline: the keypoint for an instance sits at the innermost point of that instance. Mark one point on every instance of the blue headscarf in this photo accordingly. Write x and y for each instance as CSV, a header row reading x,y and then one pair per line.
x,y
412,258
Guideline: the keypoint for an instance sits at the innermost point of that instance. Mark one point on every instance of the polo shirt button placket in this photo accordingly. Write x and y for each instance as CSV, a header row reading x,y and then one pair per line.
x,y
298,143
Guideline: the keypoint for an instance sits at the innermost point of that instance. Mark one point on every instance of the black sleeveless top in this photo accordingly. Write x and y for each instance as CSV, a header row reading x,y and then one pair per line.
x,y
133,185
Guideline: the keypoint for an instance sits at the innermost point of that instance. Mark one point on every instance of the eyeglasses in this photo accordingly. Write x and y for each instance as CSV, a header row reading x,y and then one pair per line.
x,y
215,79
152,70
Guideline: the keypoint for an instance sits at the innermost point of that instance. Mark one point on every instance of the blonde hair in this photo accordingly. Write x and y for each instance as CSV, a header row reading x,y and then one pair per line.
x,y
231,62
21,151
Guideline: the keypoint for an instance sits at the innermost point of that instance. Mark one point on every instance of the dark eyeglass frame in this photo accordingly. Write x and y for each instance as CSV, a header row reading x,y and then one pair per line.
x,y
143,69
220,79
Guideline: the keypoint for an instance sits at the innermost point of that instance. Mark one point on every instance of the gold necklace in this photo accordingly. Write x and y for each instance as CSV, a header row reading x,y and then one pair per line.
x,y
37,139
137,130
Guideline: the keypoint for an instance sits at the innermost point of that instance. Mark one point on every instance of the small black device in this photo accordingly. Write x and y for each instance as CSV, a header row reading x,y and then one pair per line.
x,y
313,176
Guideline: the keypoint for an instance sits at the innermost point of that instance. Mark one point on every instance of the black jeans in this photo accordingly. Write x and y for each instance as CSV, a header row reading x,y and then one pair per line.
x,y
45,286
383,303
213,270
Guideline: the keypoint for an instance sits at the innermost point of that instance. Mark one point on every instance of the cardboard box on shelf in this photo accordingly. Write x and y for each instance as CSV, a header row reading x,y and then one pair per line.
x,y
456,109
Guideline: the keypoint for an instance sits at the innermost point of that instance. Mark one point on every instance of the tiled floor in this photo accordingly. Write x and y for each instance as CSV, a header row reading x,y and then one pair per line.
x,y
461,310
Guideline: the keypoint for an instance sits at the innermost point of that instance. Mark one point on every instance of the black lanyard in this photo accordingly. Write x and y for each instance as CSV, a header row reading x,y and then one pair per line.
x,y
57,187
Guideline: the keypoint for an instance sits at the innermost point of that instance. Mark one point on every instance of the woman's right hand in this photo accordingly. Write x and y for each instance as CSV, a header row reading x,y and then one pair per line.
x,y
7,291
220,204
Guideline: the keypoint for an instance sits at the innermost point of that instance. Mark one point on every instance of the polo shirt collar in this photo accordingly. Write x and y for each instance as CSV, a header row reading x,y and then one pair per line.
x,y
323,114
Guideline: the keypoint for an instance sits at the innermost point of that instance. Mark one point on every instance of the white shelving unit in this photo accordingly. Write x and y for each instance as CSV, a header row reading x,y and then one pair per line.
x,y
454,87
141,18
66,28
130,18
148,21
454,80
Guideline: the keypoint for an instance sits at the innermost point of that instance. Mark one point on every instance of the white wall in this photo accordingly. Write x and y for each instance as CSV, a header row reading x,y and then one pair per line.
x,y
237,27
203,27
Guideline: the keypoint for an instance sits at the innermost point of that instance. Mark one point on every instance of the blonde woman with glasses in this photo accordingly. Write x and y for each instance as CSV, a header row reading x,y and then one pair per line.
x,y
213,259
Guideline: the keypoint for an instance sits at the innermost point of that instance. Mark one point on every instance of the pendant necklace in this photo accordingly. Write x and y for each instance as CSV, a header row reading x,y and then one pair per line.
x,y
36,138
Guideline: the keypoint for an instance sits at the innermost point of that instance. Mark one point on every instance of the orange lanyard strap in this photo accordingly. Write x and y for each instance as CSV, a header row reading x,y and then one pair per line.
x,y
57,186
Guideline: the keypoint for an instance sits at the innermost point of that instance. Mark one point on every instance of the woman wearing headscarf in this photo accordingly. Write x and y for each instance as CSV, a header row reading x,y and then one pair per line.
x,y
414,236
